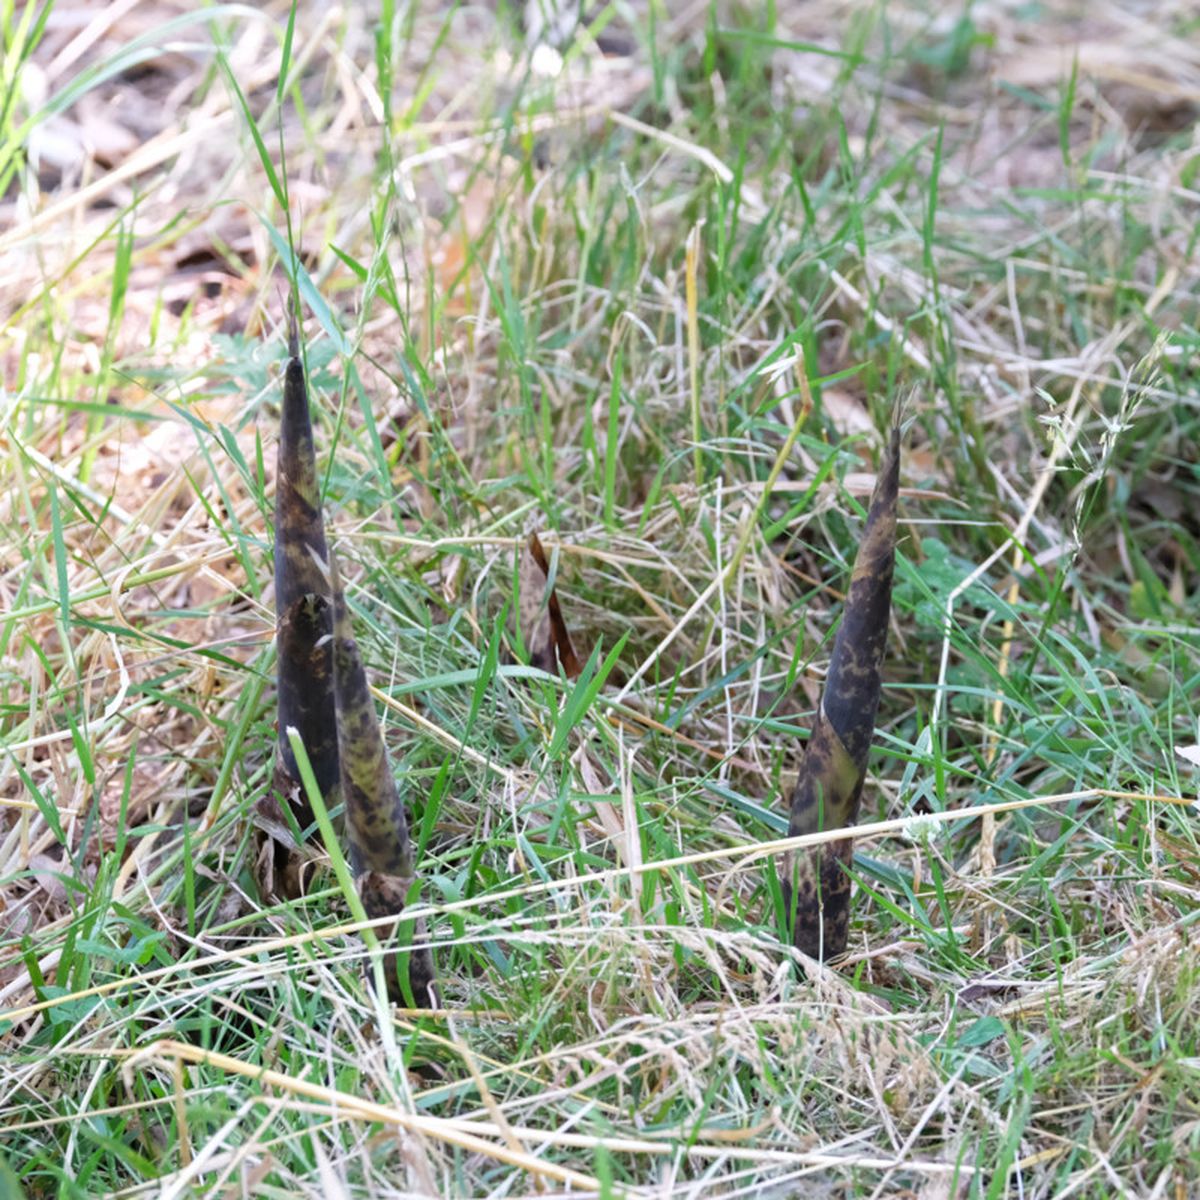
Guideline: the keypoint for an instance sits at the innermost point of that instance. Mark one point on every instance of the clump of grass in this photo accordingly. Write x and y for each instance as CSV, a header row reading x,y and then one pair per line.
x,y
587,293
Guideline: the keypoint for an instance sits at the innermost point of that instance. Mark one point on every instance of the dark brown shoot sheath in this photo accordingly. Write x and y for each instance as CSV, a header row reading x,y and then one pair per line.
x,y
301,594
376,822
303,624
816,887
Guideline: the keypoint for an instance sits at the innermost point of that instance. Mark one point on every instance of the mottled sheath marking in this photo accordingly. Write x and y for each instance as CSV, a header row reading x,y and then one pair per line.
x,y
304,672
816,887
376,821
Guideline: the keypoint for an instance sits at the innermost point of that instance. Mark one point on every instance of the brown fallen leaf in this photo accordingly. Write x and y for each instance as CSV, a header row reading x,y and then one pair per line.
x,y
542,625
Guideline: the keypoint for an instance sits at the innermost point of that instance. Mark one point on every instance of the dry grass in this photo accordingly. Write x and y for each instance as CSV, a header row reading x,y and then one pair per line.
x,y
590,292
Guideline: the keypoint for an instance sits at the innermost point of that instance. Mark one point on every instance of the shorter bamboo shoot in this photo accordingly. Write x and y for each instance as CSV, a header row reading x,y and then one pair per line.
x,y
816,886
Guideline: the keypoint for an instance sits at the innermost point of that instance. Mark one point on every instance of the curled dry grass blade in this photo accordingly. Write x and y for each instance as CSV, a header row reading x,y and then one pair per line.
x,y
376,823
816,887
304,671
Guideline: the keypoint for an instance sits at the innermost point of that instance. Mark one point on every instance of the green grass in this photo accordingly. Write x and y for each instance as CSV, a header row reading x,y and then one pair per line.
x,y
503,335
